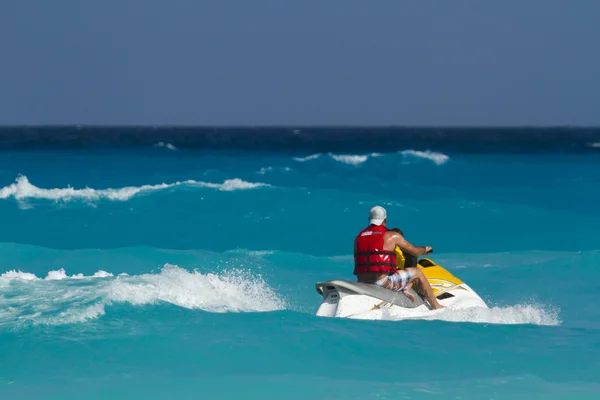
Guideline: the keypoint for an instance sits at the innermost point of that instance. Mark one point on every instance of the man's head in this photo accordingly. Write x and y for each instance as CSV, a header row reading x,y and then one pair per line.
x,y
378,216
397,230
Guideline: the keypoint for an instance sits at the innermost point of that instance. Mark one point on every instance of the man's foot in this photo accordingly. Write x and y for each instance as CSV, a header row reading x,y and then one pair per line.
x,y
437,306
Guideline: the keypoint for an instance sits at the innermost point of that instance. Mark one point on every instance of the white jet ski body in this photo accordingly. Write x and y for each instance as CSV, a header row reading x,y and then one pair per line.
x,y
346,299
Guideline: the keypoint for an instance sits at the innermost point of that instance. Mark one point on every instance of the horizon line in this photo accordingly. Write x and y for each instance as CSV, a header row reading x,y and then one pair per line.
x,y
300,126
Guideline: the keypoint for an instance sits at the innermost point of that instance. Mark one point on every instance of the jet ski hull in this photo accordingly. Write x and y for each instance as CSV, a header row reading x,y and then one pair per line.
x,y
345,299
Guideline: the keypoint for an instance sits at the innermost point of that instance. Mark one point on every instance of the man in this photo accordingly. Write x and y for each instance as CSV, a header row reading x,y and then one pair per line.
x,y
375,258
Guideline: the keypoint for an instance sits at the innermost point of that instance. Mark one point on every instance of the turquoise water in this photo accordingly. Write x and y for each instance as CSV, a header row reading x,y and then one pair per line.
x,y
166,272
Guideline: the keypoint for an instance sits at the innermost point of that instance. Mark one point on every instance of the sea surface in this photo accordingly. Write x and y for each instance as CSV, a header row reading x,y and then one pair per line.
x,y
163,263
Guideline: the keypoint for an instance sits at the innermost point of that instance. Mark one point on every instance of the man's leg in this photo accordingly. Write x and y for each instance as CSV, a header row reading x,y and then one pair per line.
x,y
419,278
401,280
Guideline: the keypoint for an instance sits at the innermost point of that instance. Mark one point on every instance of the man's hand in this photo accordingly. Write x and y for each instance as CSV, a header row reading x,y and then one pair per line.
x,y
396,239
407,293
410,296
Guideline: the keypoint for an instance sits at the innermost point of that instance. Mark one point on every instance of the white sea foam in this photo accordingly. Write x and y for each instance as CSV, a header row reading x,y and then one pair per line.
x,y
234,184
595,145
358,159
437,158
56,275
61,299
260,253
69,316
26,276
22,189
265,170
350,159
535,314
61,274
103,274
307,158
231,291
165,145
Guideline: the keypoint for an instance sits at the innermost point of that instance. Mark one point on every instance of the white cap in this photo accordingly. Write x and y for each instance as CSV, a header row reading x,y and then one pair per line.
x,y
376,215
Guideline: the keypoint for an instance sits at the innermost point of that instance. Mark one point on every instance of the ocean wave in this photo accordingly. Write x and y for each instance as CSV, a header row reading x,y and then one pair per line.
x,y
165,145
264,170
260,253
595,145
358,159
22,189
307,158
231,291
56,275
349,159
251,253
62,299
437,158
10,275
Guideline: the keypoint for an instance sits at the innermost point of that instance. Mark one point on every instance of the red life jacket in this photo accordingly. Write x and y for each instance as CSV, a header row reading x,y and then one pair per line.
x,y
369,255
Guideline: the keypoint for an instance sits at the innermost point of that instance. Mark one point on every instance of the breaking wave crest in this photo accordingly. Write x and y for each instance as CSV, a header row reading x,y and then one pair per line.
x,y
62,299
358,159
52,275
437,158
22,189
165,145
307,158
349,159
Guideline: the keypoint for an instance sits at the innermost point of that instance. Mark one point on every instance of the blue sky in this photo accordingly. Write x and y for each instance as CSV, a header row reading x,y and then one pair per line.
x,y
277,62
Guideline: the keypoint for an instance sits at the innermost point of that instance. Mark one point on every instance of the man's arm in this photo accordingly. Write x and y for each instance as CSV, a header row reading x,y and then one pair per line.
x,y
409,248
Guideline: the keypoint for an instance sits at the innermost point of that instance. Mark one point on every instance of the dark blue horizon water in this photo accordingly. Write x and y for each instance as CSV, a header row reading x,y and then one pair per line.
x,y
458,140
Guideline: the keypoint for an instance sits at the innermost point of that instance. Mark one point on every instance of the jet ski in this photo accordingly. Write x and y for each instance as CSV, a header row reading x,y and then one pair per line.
x,y
346,299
